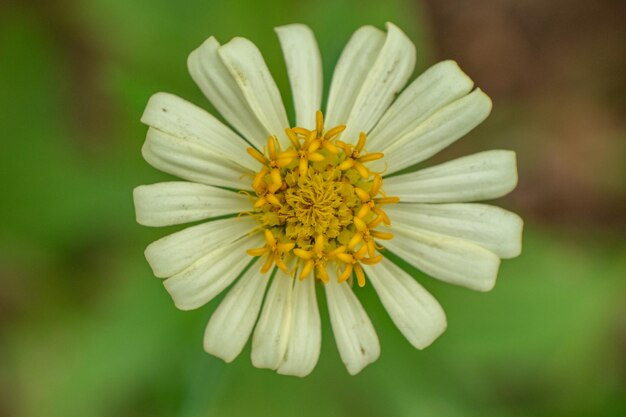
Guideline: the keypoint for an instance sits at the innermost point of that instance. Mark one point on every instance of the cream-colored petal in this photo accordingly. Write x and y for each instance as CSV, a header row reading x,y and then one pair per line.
x,y
192,161
438,131
177,202
354,64
491,227
173,115
173,253
219,86
415,312
449,259
355,336
305,336
232,322
438,86
388,76
207,277
481,176
304,67
271,335
247,66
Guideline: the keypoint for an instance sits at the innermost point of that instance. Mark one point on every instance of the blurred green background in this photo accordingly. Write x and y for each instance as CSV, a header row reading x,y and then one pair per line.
x,y
86,330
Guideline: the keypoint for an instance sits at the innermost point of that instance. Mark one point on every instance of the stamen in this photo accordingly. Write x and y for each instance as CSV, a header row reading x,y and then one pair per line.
x,y
307,268
363,211
330,147
316,157
269,238
361,143
303,166
257,251
317,204
345,257
372,260
376,184
360,276
276,179
377,220
359,224
301,131
387,200
356,239
260,202
371,248
345,165
334,132
258,181
362,194
319,123
268,264
371,157
322,274
363,172
271,147
292,138
346,273
257,155
381,235
304,254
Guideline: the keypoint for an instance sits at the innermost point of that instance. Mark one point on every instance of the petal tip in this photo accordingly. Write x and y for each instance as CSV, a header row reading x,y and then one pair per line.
x,y
300,373
152,104
355,368
392,26
484,99
298,26
517,240
227,357
436,331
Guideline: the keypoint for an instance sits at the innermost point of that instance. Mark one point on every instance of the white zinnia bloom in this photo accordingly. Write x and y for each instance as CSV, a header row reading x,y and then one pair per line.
x,y
319,202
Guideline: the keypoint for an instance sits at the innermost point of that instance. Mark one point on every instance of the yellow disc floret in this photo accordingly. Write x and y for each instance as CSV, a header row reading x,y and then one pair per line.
x,y
318,204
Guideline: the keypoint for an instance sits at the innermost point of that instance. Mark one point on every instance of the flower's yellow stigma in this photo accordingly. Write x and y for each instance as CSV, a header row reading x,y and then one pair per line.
x,y
318,204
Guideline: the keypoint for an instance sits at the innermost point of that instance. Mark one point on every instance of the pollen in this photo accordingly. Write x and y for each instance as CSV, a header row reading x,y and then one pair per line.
x,y
318,205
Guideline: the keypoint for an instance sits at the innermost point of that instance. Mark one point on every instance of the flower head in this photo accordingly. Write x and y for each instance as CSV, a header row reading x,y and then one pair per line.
x,y
321,201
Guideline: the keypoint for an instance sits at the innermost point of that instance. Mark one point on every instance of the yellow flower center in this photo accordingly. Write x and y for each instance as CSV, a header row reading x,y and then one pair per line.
x,y
318,205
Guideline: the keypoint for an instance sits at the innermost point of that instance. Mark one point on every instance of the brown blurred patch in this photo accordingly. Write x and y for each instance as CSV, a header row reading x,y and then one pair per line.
x,y
557,73
89,109
514,48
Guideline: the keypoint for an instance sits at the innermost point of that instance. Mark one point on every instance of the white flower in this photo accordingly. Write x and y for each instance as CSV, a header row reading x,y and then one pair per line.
x,y
318,202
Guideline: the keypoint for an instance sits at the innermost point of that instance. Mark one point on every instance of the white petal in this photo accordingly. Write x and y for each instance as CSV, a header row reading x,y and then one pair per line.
x,y
304,67
438,131
354,334
271,335
219,86
232,322
449,259
491,227
177,202
415,312
481,176
208,276
179,118
389,74
247,66
305,336
173,253
354,64
440,85
192,161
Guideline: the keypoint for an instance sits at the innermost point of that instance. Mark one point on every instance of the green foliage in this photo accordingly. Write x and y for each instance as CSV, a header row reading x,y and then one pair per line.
x,y
88,331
